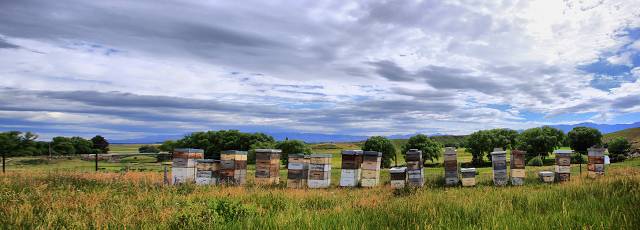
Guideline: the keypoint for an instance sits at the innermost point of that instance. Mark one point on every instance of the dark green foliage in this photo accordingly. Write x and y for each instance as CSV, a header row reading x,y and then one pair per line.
x,y
582,138
62,146
540,141
535,161
482,142
578,158
100,144
167,146
81,145
148,149
431,150
15,143
619,148
291,147
383,145
213,142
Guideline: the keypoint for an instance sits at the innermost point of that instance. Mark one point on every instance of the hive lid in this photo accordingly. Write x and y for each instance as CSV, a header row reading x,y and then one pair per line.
x,y
206,160
234,152
372,153
498,152
321,155
297,155
562,152
398,170
450,151
545,173
352,152
188,150
467,170
268,151
414,151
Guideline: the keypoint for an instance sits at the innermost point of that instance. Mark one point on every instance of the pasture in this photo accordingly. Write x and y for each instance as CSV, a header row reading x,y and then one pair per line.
x,y
66,193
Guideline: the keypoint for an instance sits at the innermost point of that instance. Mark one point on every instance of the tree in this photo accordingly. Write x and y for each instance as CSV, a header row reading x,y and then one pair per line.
x,y
14,143
167,146
100,143
148,149
583,138
291,147
619,149
62,146
479,143
383,145
540,141
431,150
213,142
82,146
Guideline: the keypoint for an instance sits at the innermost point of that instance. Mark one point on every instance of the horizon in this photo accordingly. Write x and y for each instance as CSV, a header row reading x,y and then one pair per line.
x,y
128,70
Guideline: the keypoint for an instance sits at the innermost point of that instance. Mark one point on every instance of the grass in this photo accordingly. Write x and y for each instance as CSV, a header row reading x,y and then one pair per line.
x,y
62,194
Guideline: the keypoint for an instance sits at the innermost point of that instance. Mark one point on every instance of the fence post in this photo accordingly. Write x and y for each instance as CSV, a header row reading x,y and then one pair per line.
x,y
96,161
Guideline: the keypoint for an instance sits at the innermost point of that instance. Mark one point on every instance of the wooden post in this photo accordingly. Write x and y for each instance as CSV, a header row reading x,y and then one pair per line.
x,y
96,161
166,178
3,162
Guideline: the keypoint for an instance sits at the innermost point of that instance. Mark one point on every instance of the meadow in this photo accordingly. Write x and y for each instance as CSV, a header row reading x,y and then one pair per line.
x,y
66,194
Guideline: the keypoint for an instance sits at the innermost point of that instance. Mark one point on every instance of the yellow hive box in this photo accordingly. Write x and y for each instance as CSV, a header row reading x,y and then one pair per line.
x,y
320,160
468,182
370,174
518,173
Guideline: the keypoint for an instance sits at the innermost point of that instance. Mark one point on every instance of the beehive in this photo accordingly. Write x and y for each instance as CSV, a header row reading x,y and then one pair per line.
x,y
371,168
207,171
563,165
398,177
319,171
546,176
499,163
468,177
233,167
297,171
518,173
267,166
183,169
414,168
351,165
451,166
596,162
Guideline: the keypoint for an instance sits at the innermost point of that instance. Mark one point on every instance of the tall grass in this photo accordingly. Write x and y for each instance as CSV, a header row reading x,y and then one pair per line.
x,y
64,199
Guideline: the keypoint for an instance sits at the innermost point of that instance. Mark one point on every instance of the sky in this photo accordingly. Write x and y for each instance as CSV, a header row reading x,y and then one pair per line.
x,y
129,69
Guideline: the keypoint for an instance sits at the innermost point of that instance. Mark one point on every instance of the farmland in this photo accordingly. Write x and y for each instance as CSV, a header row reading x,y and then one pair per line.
x,y
37,193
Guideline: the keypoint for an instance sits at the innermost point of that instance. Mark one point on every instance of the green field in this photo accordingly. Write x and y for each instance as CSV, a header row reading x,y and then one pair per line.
x,y
65,193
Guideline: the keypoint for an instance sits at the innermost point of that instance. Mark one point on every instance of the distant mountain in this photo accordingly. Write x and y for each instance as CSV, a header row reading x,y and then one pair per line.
x,y
604,128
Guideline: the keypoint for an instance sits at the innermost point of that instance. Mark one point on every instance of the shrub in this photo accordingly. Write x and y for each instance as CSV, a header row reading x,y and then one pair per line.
x,y
618,149
578,158
536,161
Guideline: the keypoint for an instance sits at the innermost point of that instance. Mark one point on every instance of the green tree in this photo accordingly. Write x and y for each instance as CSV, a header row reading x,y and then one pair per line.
x,y
148,149
82,146
100,144
213,142
12,141
62,146
540,141
619,149
478,144
383,145
168,146
291,147
431,150
582,138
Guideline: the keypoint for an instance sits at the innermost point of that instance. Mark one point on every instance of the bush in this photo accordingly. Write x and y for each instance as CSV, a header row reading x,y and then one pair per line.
x,y
536,161
618,148
578,158
148,149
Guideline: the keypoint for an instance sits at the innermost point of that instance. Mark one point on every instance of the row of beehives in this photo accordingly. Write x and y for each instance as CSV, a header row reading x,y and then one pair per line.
x,y
413,173
359,168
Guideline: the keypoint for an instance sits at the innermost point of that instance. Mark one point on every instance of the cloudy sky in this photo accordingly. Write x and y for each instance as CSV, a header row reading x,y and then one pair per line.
x,y
128,69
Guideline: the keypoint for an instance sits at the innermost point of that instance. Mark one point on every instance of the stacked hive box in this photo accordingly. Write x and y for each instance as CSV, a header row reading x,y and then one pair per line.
x,y
414,168
371,168
499,162
267,166
563,165
517,167
183,169
319,171
546,176
233,166
468,177
596,162
297,172
207,171
351,163
450,167
398,177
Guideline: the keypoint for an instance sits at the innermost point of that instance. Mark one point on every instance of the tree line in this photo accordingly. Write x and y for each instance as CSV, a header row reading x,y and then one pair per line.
x,y
16,143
